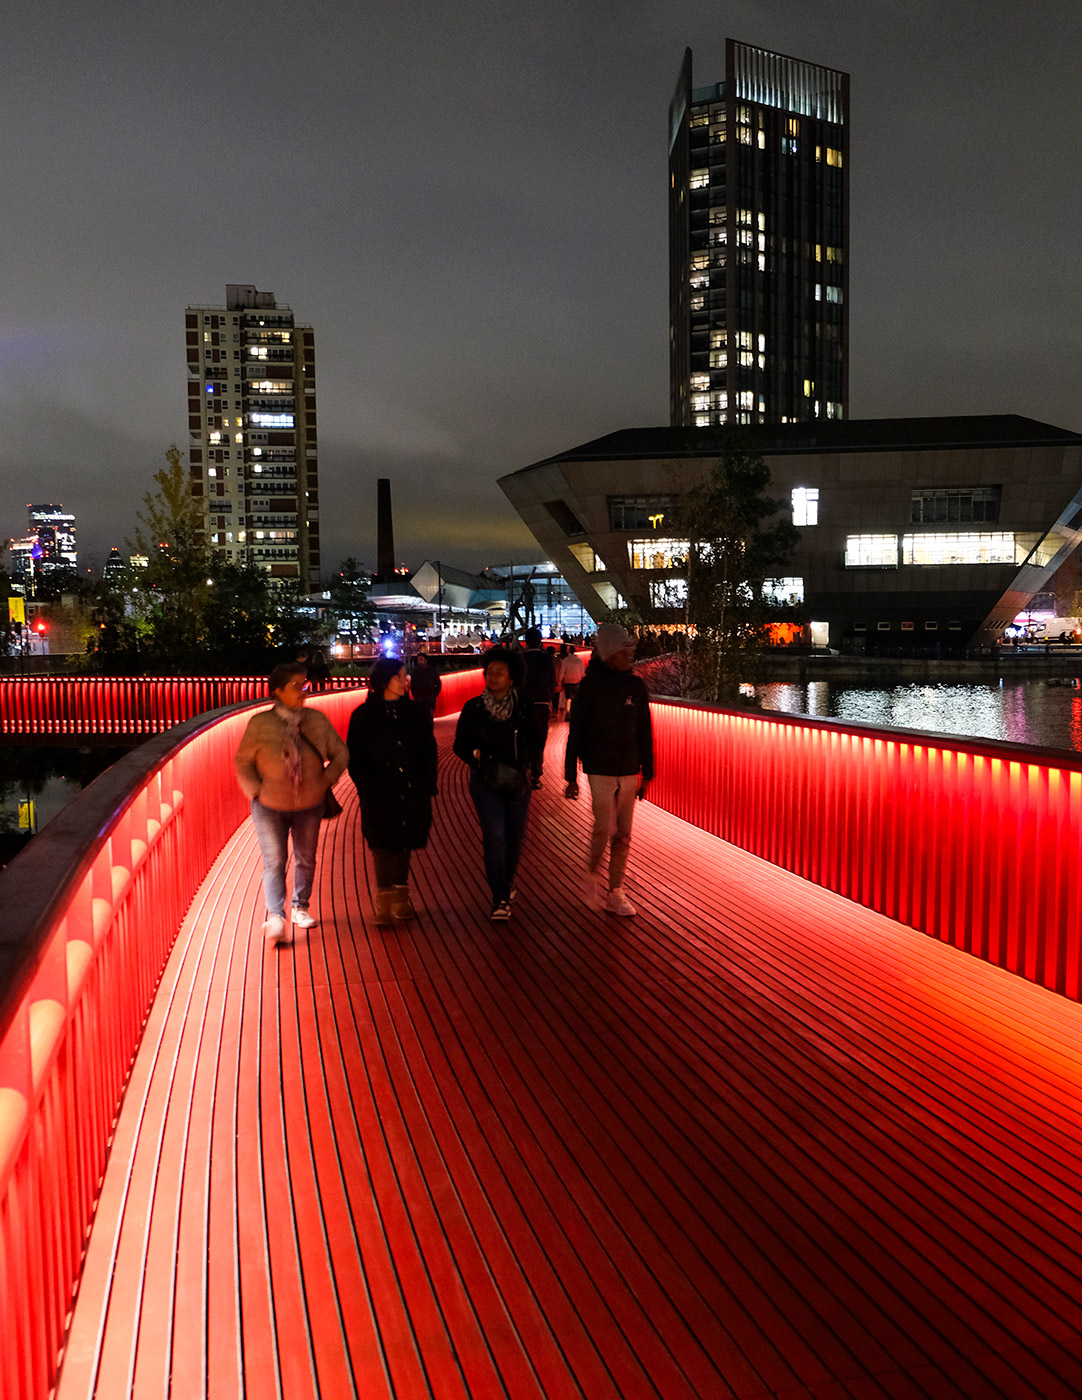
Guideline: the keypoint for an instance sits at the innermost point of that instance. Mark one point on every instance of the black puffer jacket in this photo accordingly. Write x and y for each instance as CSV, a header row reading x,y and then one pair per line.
x,y
392,761
610,728
516,740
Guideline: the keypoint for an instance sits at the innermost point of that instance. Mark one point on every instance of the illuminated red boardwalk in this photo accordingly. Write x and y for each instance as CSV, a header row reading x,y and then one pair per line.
x,y
756,1142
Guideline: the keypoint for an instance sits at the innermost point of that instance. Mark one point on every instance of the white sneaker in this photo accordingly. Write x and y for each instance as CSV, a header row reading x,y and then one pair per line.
x,y
618,903
275,932
593,891
302,918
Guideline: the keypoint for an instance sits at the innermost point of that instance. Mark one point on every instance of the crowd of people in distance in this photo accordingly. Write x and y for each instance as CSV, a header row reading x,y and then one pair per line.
x,y
290,758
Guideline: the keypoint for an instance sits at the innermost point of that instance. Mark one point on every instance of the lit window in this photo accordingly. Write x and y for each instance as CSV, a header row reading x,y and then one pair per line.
x,y
700,381
833,157
699,179
783,592
991,548
871,552
212,471
743,339
273,420
746,358
762,140
719,359
948,504
239,437
809,388
762,262
215,437
794,126
805,505
746,399
590,562
668,592
762,342
834,294
658,554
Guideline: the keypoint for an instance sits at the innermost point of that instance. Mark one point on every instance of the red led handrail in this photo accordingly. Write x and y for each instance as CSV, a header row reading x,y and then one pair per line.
x,y
132,705
976,843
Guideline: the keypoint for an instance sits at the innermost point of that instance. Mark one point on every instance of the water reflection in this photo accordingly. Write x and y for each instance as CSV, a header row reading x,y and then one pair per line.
x,y
48,778
1022,712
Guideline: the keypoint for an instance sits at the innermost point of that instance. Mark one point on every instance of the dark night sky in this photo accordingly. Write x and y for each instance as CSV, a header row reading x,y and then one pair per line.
x,y
468,203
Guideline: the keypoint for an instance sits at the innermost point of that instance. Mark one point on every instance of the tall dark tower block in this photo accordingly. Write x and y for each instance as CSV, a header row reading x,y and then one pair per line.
x,y
384,530
758,243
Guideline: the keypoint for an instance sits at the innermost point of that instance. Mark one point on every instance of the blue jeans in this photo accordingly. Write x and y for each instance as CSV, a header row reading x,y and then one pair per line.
x,y
503,825
272,831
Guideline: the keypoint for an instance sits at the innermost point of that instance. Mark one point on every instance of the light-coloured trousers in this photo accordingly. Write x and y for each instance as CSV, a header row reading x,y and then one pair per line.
x,y
613,802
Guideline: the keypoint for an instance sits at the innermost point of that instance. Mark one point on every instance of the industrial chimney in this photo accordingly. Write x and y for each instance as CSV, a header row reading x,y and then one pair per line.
x,y
384,531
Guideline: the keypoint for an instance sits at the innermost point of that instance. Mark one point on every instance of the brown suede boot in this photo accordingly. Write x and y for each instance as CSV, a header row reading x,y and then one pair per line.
x,y
382,906
401,907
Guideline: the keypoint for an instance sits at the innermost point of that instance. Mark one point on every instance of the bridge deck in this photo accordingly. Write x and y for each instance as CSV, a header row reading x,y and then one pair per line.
x,y
756,1142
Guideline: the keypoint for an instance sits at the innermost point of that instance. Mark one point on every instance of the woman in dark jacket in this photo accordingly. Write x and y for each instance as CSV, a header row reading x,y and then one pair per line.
x,y
498,736
392,761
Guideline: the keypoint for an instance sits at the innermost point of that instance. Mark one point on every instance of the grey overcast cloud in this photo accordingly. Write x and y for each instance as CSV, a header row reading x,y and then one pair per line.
x,y
468,204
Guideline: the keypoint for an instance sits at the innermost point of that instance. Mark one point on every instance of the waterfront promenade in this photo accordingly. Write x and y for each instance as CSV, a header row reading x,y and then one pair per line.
x,y
757,1142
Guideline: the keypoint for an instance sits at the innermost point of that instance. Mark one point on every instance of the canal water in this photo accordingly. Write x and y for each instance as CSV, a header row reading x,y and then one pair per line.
x,y
1047,712
37,781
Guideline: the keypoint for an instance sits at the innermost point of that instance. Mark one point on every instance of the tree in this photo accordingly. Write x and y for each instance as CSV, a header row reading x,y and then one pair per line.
x,y
349,598
736,543
174,583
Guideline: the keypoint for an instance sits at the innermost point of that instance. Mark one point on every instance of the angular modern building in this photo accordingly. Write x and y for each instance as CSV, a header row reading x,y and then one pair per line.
x,y
252,427
914,532
758,243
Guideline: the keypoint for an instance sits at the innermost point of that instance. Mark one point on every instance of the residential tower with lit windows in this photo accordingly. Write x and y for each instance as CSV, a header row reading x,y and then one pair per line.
x,y
252,429
758,242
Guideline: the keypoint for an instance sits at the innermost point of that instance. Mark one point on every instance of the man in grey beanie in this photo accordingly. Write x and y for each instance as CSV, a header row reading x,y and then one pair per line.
x,y
611,733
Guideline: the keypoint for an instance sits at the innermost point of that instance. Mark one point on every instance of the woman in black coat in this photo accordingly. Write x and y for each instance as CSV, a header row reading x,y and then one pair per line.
x,y
392,761
499,738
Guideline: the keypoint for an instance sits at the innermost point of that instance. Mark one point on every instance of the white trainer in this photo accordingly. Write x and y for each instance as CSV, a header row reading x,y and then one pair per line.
x,y
618,903
274,931
303,919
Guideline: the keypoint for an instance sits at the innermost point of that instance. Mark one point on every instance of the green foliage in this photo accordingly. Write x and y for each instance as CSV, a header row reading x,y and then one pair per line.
x,y
188,611
349,598
737,542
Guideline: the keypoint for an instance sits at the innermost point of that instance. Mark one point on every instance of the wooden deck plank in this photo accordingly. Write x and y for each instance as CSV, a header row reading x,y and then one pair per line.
x,y
757,1142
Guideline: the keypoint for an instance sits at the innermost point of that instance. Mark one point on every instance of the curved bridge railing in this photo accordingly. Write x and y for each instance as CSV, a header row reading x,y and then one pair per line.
x,y
944,836
120,705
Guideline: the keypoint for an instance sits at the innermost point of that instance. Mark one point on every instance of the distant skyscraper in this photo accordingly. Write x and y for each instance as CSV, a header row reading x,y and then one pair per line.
x,y
54,529
252,424
758,242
